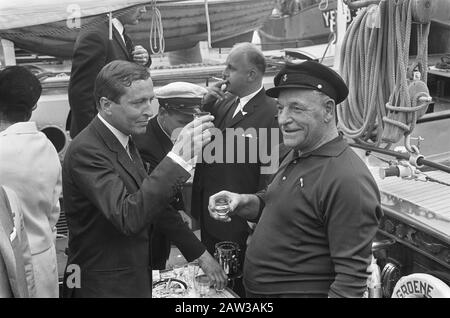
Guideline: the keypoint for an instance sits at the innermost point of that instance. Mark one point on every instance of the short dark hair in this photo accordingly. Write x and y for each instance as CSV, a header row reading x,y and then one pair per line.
x,y
19,93
114,77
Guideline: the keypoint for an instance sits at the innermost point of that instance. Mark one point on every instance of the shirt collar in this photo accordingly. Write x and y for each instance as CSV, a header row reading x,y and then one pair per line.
x,y
244,100
118,25
25,127
123,139
333,148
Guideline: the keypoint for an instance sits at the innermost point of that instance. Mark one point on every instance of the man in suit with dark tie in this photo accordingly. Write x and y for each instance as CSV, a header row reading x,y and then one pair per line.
x,y
243,106
178,102
109,199
93,50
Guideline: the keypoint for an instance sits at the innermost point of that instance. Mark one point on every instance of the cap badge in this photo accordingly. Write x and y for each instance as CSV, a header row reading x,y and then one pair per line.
x,y
319,86
285,77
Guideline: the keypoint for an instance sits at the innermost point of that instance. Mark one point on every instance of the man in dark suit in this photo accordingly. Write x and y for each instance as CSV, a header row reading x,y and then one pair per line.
x,y
109,199
93,50
178,101
244,105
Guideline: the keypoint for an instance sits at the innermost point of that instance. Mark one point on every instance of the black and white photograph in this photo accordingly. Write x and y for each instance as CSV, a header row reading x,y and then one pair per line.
x,y
224,156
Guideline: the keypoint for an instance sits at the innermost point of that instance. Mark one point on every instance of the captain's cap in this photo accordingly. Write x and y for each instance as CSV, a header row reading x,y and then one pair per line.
x,y
180,95
310,75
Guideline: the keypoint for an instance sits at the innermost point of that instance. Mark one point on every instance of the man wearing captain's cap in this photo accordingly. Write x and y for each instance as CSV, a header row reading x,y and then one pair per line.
x,y
318,217
178,102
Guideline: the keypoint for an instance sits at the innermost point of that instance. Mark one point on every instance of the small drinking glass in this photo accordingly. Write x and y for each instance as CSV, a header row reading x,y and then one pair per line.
x,y
201,284
222,207
218,290
192,270
200,114
178,270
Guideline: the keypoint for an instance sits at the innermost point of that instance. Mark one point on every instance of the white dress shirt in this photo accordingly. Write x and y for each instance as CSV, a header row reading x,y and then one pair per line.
x,y
123,139
244,100
119,27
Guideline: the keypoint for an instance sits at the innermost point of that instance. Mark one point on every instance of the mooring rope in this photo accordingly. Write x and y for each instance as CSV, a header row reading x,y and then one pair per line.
x,y
384,101
157,42
208,24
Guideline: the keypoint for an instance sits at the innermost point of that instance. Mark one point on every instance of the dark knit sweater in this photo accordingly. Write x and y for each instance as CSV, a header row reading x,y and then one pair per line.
x,y
315,232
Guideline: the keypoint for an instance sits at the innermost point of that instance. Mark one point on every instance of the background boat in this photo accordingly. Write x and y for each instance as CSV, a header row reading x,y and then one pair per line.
x,y
439,38
184,25
312,23
308,24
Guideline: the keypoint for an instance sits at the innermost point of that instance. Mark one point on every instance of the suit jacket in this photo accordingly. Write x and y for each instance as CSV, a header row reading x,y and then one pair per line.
x,y
16,267
92,51
169,226
236,177
30,165
110,202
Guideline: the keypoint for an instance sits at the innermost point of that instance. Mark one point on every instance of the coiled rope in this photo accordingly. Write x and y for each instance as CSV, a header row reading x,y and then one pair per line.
x,y
323,5
157,42
374,63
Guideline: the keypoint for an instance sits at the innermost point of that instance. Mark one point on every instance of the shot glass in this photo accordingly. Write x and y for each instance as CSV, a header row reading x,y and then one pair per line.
x,y
179,270
193,269
218,290
222,207
202,284
200,114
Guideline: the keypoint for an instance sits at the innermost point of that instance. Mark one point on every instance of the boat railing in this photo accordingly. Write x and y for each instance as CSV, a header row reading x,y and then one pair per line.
x,y
353,5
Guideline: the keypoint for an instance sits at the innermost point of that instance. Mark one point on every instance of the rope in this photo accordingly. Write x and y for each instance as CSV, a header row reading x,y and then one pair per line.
x,y
399,98
156,38
110,26
331,39
323,5
357,121
382,33
431,179
208,23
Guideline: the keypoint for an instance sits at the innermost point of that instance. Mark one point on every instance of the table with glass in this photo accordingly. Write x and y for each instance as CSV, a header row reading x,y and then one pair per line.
x,y
186,281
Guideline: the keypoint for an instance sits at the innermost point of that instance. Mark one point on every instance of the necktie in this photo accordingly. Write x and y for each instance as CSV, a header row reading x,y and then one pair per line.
x,y
135,157
128,42
127,148
230,114
236,111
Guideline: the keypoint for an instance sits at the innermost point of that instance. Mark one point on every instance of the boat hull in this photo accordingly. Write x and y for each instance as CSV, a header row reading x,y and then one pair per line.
x,y
312,26
184,25
309,26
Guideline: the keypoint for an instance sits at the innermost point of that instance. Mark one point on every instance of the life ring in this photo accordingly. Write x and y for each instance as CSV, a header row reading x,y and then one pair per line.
x,y
421,286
